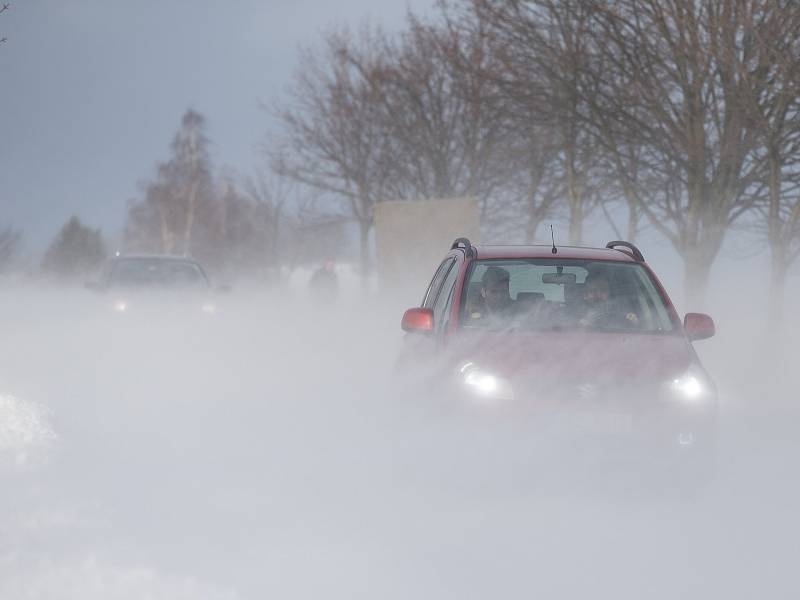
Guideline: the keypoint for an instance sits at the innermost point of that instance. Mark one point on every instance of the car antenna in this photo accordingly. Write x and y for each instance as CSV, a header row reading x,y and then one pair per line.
x,y
553,237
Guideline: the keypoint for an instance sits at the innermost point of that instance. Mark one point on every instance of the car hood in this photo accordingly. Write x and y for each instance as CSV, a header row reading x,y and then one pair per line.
x,y
590,356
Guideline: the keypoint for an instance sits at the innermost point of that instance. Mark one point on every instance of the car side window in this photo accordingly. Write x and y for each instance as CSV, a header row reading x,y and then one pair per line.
x,y
441,308
436,283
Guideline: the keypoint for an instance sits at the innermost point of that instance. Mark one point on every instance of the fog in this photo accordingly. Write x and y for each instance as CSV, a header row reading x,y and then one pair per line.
x,y
269,451
260,442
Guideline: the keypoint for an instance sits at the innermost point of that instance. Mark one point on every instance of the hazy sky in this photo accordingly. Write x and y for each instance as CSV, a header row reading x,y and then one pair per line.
x,y
93,91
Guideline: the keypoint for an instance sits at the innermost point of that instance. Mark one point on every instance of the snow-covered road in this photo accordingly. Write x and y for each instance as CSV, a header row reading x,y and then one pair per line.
x,y
265,452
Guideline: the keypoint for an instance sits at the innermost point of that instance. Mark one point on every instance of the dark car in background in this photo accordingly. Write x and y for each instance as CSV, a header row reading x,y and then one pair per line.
x,y
136,283
576,342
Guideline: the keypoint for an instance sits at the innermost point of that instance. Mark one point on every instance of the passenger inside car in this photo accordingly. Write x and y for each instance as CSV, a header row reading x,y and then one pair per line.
x,y
603,310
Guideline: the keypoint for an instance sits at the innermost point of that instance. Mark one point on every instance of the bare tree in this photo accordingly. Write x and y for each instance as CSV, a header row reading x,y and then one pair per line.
x,y
671,84
773,99
647,102
335,136
442,113
544,48
3,9
269,197
10,241
538,182
405,117
543,105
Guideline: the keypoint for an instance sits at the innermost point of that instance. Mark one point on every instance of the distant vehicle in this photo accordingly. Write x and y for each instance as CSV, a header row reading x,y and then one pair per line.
x,y
142,282
583,341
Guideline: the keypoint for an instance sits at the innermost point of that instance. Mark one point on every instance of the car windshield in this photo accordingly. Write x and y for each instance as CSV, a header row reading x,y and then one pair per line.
x,y
154,272
540,294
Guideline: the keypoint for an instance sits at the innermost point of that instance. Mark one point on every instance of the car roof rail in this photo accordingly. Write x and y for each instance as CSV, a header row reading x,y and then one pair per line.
x,y
464,244
634,251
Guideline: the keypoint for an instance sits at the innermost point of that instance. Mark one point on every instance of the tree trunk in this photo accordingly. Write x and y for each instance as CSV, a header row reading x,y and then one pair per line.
x,y
533,224
187,232
574,198
778,263
535,213
166,238
633,220
696,274
575,203
275,238
364,227
777,285
703,236
575,222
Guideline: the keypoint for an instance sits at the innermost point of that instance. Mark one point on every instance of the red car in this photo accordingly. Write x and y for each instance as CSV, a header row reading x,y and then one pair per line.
x,y
582,340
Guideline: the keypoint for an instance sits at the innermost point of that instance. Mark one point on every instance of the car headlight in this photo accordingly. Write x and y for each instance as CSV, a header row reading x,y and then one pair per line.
x,y
690,387
484,384
120,306
209,308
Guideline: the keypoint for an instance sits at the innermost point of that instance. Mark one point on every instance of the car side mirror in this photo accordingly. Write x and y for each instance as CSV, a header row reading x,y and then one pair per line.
x,y
418,320
698,326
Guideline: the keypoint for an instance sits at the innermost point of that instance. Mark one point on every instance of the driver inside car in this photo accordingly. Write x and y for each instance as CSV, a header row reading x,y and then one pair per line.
x,y
602,311
495,306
